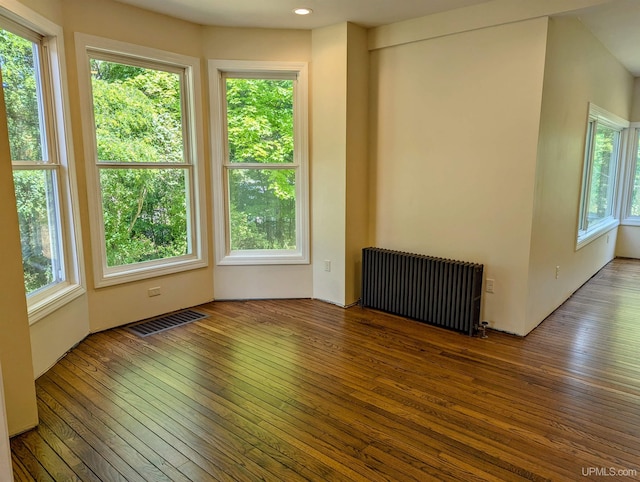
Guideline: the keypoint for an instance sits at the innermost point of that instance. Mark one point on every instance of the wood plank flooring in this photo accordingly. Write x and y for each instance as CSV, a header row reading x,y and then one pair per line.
x,y
302,390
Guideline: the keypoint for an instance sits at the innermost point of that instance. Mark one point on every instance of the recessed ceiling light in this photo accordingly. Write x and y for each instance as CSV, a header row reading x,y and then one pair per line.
x,y
302,11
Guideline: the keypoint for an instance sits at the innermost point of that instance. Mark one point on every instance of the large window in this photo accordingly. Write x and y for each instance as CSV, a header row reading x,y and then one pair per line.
x,y
143,146
602,156
260,139
632,205
33,92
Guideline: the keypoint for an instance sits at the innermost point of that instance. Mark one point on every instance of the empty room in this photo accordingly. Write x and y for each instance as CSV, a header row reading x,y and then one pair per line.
x,y
319,240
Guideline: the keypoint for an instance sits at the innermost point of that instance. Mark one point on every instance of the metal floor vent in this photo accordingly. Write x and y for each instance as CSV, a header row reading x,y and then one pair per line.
x,y
165,322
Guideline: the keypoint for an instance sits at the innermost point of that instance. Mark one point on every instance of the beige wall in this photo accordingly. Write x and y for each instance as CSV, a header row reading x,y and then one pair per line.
x,y
357,162
328,160
474,17
226,43
635,108
15,348
628,242
578,70
453,152
339,160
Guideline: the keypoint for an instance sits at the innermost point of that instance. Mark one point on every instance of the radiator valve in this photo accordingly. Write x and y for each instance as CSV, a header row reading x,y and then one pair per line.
x,y
483,329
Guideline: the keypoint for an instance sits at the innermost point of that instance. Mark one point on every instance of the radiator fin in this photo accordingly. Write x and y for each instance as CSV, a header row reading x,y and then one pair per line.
x,y
441,292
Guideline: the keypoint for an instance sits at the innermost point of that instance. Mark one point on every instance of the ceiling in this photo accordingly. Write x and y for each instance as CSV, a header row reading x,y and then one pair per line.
x,y
279,13
616,23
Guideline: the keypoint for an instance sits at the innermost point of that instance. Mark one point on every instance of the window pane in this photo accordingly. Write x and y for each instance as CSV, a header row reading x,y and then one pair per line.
x,y
39,236
260,120
18,60
138,113
145,214
635,200
262,209
601,183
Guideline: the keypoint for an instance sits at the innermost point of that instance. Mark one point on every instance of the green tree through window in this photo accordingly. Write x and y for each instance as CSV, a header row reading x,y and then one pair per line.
x,y
143,175
35,175
261,180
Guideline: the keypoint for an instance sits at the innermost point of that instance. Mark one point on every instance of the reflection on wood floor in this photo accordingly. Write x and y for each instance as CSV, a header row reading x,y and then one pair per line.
x,y
303,390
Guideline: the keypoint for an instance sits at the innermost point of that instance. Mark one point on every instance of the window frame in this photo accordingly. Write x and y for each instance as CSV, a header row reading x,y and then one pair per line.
x,y
218,69
104,275
56,116
599,116
631,164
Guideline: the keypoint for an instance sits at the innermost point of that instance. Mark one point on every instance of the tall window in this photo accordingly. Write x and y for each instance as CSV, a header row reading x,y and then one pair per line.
x,y
633,208
602,154
145,156
262,159
33,98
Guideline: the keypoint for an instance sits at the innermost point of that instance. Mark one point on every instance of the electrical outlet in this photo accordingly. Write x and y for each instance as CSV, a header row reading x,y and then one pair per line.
x,y
327,265
489,285
155,291
557,272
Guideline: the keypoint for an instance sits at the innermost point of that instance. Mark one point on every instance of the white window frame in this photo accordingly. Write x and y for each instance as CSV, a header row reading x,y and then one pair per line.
x,y
104,275
224,254
585,232
629,174
60,145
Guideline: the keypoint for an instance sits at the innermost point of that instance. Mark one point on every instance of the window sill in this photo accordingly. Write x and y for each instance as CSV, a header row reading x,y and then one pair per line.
x,y
141,271
631,221
56,300
597,231
253,258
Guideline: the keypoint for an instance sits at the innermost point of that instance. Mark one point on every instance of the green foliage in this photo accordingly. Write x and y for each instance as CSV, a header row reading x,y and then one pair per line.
x,y
260,131
19,84
138,119
260,120
605,140
260,217
36,205
37,241
635,201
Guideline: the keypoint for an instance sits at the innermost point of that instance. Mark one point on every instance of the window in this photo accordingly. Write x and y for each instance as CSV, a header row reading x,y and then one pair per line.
x,y
602,154
33,91
142,142
635,197
632,185
260,141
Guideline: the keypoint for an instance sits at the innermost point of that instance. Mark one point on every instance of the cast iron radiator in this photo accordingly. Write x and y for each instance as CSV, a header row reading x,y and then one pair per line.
x,y
437,291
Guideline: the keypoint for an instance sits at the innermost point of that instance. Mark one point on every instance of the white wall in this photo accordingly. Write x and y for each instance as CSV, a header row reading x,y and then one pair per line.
x,y
453,152
578,70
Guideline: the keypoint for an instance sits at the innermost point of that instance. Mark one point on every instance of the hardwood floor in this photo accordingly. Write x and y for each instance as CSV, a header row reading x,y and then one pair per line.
x,y
302,390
